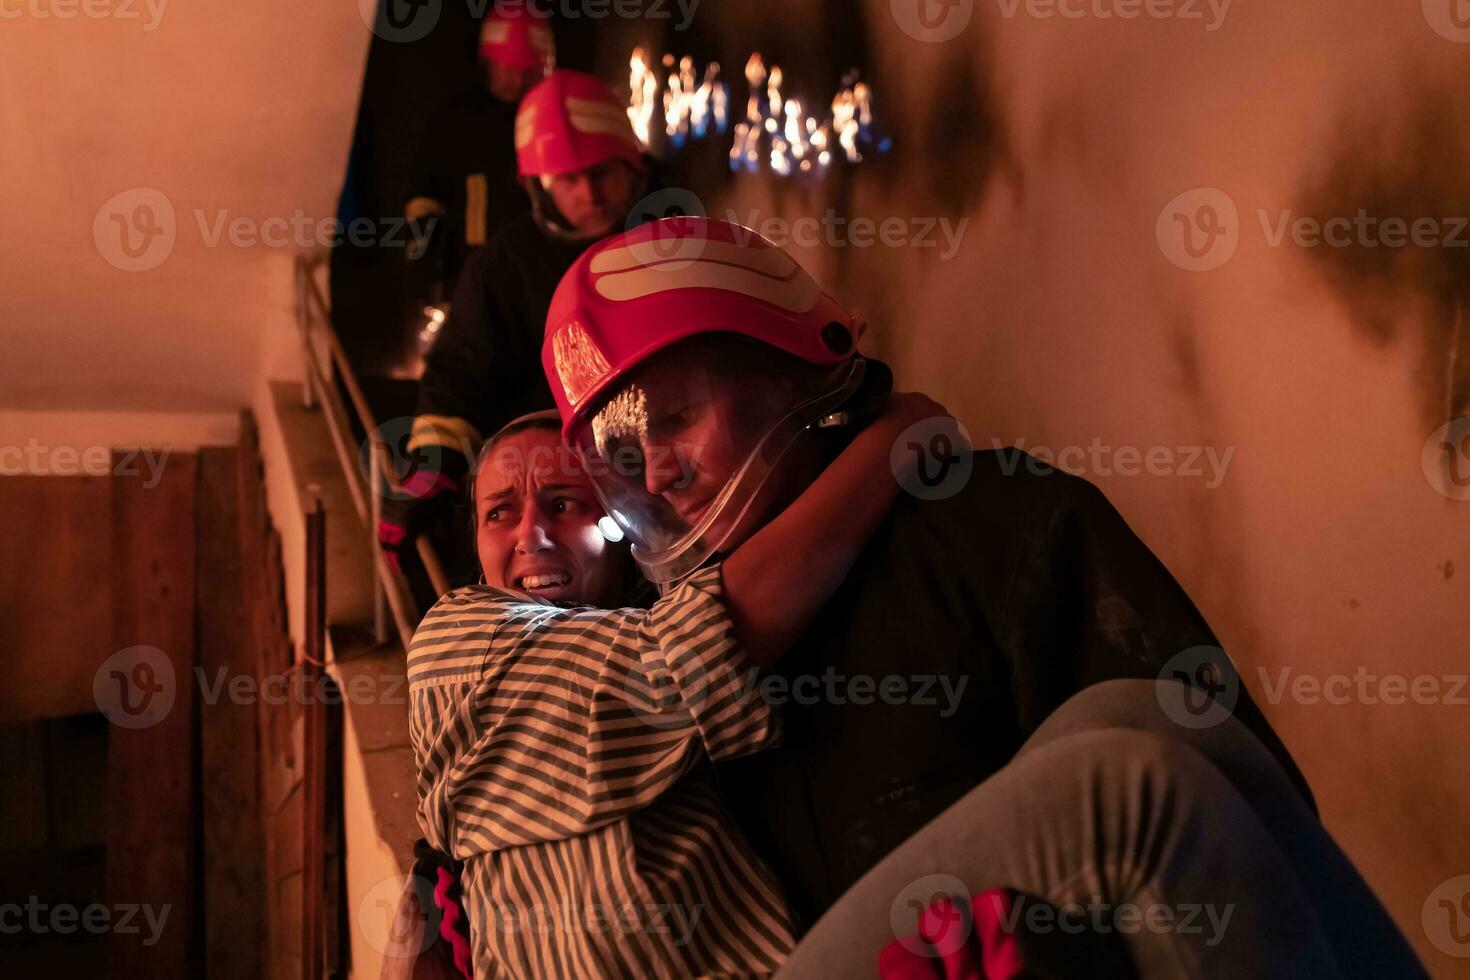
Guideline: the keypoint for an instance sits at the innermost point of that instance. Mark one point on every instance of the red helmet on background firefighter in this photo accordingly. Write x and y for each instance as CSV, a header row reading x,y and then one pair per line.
x,y
578,157
518,50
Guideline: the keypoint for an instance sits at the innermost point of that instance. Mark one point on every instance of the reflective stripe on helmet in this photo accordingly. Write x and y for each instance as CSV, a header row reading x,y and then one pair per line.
x,y
798,294
525,125
588,116
770,261
495,31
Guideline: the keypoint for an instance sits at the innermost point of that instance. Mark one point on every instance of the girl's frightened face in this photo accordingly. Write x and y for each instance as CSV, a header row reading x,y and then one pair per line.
x,y
536,523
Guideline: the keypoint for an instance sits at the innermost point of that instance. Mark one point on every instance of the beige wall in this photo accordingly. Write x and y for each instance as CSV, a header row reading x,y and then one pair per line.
x,y
244,110
1061,320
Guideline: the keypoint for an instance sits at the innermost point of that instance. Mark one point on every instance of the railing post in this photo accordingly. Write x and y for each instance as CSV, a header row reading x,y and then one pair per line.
x,y
326,367
375,510
312,678
303,323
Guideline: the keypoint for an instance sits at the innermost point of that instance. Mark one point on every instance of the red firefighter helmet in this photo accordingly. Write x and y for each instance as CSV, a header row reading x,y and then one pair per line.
x,y
572,121
686,356
517,39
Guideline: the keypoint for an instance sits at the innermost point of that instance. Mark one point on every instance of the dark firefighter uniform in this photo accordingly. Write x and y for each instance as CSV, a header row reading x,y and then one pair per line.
x,y
466,173
485,367
1030,587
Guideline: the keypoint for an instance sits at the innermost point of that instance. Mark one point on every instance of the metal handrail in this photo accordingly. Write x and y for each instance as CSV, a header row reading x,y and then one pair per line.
x,y
325,359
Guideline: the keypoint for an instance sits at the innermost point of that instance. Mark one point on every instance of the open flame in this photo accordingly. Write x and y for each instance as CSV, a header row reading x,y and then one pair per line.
x,y
643,86
688,109
776,128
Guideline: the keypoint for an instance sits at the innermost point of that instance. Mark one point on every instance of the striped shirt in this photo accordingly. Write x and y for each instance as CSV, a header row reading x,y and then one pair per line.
x,y
565,756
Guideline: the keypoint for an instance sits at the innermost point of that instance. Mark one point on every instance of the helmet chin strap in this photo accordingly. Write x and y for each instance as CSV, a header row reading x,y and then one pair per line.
x,y
554,224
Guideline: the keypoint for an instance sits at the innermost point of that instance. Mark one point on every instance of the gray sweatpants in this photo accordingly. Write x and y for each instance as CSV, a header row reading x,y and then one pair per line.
x,y
1189,844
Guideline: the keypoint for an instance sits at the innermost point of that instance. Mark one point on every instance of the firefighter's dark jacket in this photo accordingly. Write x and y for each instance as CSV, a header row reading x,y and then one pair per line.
x,y
1028,585
466,167
485,367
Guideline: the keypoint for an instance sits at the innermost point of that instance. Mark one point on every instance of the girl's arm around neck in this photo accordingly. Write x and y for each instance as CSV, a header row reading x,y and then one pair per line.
x,y
777,581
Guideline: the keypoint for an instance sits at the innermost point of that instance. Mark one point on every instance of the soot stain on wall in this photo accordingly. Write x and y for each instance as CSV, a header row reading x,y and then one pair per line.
x,y
1407,162
1183,340
959,144
949,148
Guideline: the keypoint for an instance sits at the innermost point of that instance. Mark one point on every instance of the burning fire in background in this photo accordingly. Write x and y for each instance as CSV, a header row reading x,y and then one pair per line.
x,y
777,130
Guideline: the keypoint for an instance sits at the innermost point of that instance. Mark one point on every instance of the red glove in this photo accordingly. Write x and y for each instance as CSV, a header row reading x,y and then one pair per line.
x,y
955,943
453,925
426,496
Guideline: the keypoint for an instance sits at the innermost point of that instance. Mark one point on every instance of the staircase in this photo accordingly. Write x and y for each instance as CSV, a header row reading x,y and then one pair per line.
x,y
359,773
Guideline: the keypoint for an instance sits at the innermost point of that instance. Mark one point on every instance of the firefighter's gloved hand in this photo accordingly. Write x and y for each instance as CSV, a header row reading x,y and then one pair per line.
x,y
428,495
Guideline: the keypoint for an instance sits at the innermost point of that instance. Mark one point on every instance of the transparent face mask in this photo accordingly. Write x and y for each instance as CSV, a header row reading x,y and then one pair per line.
x,y
680,451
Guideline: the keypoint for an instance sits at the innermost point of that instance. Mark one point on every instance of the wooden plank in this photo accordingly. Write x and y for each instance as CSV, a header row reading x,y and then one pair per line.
x,y
234,851
260,555
263,596
55,594
250,495
334,844
152,834
313,933
23,810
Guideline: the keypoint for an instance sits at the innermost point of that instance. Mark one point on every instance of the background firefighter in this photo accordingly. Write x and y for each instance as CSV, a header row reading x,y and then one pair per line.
x,y
464,175
582,168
